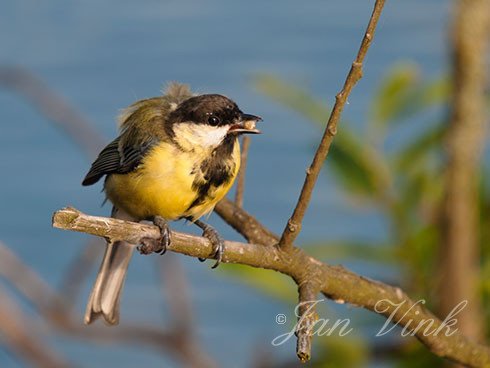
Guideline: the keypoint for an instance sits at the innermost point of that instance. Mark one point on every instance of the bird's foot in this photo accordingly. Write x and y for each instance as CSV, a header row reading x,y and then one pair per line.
x,y
150,245
216,240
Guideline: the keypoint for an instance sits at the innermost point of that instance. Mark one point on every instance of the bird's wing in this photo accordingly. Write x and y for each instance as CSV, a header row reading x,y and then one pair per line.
x,y
118,158
138,135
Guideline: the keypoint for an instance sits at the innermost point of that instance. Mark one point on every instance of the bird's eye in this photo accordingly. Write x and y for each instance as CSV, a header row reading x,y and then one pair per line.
x,y
213,120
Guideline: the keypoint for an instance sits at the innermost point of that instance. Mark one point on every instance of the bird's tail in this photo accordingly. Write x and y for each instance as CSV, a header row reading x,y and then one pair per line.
x,y
105,298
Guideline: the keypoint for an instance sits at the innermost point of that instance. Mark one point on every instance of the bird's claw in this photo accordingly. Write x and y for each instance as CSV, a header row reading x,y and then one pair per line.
x,y
150,245
218,244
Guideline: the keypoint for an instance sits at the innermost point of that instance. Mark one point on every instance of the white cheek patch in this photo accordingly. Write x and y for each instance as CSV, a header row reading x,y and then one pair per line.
x,y
214,135
201,134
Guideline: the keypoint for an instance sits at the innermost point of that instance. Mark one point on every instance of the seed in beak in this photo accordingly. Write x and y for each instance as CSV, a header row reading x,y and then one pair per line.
x,y
249,124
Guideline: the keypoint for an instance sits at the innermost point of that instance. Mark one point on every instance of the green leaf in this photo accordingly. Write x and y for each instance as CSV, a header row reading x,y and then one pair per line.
x,y
353,163
413,153
347,163
393,92
434,92
425,96
402,95
296,98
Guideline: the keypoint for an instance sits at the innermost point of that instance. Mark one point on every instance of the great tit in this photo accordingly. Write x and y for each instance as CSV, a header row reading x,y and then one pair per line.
x,y
176,156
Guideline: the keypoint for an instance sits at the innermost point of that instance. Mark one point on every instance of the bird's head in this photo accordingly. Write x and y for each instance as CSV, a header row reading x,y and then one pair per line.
x,y
208,120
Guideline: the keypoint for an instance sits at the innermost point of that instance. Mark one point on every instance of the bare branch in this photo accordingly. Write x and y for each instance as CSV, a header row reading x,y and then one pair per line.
x,y
334,282
23,336
28,282
293,226
176,289
54,309
79,269
307,318
79,128
54,107
240,183
245,223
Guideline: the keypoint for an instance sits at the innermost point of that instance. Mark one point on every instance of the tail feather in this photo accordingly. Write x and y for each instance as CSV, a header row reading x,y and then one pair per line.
x,y
105,297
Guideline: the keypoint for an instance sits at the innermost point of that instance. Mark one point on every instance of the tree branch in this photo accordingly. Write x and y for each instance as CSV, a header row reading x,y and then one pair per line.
x,y
334,282
293,226
78,270
176,290
23,336
245,223
307,318
54,308
459,249
54,106
240,182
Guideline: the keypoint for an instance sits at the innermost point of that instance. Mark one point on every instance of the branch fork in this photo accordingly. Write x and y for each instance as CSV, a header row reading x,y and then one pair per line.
x,y
267,250
311,275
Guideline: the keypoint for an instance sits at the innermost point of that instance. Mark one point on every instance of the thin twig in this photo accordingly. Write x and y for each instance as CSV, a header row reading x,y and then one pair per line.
x,y
58,110
54,309
28,283
79,269
24,336
334,282
307,318
54,106
82,131
176,289
240,183
293,226
245,223
85,135
71,120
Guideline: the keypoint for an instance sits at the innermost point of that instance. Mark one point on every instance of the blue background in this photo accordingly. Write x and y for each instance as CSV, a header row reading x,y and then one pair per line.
x,y
103,55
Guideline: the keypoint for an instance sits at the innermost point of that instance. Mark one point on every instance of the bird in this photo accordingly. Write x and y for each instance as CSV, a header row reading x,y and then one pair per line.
x,y
176,156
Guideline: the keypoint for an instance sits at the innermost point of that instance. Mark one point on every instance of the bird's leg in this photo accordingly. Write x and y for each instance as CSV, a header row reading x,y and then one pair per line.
x,y
215,238
150,245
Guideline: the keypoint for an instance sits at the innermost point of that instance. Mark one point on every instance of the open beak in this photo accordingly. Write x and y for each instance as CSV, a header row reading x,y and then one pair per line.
x,y
246,124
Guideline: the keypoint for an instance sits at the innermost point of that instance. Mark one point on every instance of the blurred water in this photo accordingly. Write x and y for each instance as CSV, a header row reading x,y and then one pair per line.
x,y
104,55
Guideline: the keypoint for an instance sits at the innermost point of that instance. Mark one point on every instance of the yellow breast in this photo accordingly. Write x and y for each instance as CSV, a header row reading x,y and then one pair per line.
x,y
165,184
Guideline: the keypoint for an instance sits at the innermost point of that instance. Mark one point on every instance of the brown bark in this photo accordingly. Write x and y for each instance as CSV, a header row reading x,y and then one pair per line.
x,y
293,226
459,272
334,282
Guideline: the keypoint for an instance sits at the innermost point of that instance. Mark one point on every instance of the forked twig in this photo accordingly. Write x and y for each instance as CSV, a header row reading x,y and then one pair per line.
x,y
334,282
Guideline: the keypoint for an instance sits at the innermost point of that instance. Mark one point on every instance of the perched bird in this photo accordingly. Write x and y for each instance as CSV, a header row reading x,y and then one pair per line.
x,y
177,155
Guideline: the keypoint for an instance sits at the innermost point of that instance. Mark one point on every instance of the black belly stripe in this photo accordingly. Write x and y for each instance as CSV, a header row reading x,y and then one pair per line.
x,y
216,171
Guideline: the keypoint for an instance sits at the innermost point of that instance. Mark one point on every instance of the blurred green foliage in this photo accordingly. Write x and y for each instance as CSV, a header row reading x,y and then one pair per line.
x,y
404,183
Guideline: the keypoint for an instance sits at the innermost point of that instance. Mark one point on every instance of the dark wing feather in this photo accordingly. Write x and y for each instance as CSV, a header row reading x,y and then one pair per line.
x,y
116,159
132,156
108,161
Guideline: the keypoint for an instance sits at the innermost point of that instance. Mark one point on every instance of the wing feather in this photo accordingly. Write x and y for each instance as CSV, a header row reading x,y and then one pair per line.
x,y
122,157
116,159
